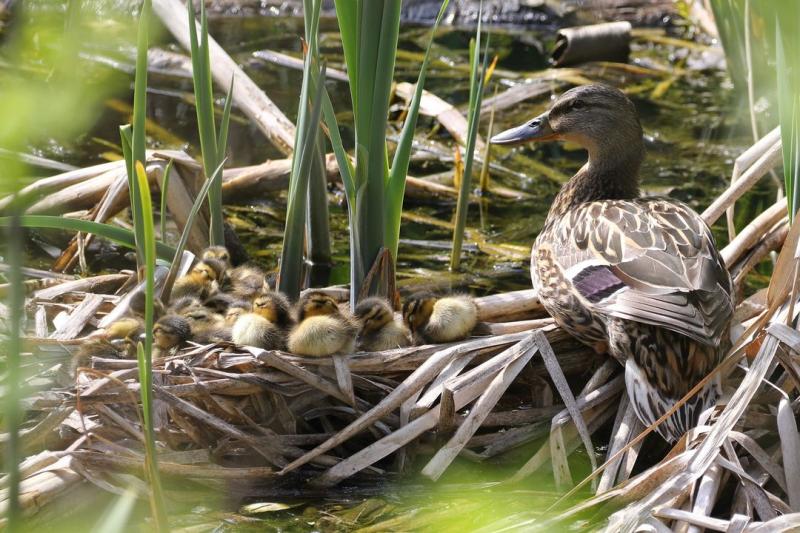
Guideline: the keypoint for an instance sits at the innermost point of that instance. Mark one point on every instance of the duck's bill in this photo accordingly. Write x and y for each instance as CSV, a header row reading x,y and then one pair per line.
x,y
537,129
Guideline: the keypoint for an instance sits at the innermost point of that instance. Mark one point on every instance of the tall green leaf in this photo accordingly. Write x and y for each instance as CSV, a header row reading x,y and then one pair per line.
x,y
473,119
120,236
145,351
788,74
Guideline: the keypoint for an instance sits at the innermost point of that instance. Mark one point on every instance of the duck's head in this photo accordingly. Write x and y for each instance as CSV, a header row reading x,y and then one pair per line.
x,y
315,303
170,331
220,253
235,310
201,317
373,313
274,307
417,310
209,270
597,117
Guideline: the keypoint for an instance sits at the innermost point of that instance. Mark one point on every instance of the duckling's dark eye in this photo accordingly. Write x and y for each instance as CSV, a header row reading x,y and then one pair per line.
x,y
578,104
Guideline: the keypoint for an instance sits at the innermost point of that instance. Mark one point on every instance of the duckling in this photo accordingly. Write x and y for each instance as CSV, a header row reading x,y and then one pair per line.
x,y
202,281
125,328
184,305
322,329
220,302
247,282
171,331
267,325
207,326
379,329
101,348
236,309
447,319
220,253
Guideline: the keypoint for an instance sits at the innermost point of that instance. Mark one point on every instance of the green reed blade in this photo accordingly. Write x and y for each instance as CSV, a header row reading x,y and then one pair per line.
x,y
145,351
210,144
163,207
175,260
396,186
120,236
289,280
473,119
346,170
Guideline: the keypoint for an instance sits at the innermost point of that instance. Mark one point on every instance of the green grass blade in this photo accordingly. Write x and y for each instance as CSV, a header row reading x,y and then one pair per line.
x,y
317,216
473,119
397,175
289,280
164,194
175,260
347,17
222,140
346,170
145,352
126,142
788,80
120,236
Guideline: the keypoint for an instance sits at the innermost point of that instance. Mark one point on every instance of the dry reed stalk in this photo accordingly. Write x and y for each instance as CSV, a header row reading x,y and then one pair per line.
x,y
526,349
754,232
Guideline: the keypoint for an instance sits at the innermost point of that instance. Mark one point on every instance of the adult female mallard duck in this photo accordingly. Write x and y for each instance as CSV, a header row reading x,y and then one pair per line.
x,y
639,278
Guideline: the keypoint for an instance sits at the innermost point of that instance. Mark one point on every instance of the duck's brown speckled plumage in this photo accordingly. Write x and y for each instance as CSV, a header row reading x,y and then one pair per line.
x,y
639,278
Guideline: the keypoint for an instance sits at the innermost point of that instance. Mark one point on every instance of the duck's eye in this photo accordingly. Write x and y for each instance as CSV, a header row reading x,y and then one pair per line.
x,y
578,104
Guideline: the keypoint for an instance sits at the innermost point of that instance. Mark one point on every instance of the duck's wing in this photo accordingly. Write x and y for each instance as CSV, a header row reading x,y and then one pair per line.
x,y
648,260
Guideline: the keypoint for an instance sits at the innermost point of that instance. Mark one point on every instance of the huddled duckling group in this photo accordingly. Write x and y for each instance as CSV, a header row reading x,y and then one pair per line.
x,y
215,302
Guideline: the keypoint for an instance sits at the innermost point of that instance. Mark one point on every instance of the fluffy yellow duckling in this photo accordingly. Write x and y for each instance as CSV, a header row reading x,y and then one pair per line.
x,y
170,331
201,282
379,330
267,325
322,328
447,319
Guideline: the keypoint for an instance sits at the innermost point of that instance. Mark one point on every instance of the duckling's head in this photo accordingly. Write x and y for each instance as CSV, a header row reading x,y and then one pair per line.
x,y
209,270
124,328
273,306
199,317
235,310
417,310
220,253
315,303
171,331
598,117
373,313
183,305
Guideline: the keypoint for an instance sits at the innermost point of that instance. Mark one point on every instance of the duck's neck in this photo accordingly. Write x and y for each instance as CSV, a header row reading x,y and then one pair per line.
x,y
612,173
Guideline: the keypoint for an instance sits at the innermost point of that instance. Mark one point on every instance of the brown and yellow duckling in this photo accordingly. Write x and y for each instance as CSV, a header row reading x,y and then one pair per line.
x,y
434,320
206,325
639,278
170,331
322,328
201,282
101,348
236,309
379,329
129,327
267,325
